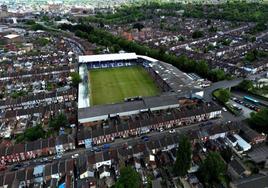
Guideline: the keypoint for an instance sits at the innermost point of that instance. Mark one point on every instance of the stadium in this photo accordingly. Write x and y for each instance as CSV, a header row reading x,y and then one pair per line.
x,y
125,84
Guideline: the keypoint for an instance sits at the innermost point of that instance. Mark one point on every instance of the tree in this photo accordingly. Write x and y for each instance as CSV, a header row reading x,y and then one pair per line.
x,y
59,121
197,34
138,26
246,85
213,29
45,18
216,75
213,169
30,22
259,120
41,41
31,134
227,154
34,133
202,68
223,95
183,159
37,26
182,62
76,79
57,18
128,178
208,21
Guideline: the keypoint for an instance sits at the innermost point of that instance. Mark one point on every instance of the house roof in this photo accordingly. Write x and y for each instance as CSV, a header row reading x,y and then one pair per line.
x,y
2,179
55,167
20,174
29,173
48,169
237,166
38,169
9,178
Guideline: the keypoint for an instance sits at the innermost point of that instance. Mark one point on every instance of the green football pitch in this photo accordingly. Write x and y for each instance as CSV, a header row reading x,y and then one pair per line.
x,y
113,85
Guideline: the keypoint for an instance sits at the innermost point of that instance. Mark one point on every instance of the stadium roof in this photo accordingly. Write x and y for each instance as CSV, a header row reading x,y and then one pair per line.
x,y
147,58
179,81
11,36
107,57
83,98
101,112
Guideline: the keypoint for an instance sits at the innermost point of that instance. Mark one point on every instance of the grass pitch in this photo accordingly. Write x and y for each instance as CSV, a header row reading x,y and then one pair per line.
x,y
113,85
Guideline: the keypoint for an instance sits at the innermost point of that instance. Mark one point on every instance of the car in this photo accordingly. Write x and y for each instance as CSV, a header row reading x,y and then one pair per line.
x,y
45,159
208,123
172,131
161,129
75,156
201,125
224,109
96,149
58,156
145,138
106,146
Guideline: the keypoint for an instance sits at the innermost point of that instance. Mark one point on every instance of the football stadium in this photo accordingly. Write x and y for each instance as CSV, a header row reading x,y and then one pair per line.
x,y
113,85
125,84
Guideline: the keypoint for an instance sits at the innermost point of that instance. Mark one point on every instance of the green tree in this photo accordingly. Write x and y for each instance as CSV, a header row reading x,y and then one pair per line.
x,y
227,154
202,68
208,21
138,26
183,158
37,26
34,133
76,79
128,178
31,134
30,22
57,18
57,122
216,75
41,41
197,34
246,85
45,18
259,120
182,62
223,95
212,170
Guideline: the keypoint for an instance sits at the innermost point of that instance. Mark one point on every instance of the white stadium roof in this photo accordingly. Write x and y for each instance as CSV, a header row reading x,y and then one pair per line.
x,y
107,57
11,36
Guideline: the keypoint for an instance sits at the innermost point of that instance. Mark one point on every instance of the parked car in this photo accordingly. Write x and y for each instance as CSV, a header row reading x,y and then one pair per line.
x,y
172,131
106,146
96,149
75,155
145,138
